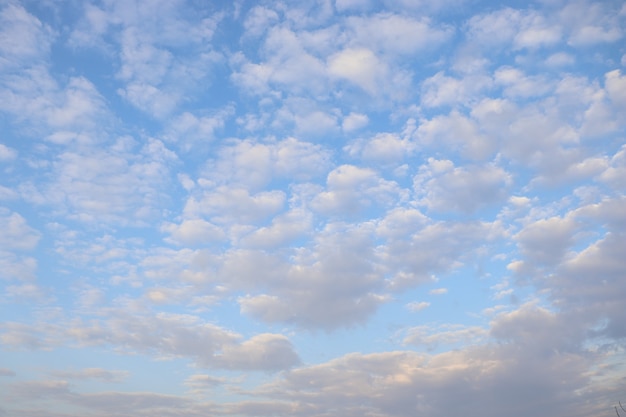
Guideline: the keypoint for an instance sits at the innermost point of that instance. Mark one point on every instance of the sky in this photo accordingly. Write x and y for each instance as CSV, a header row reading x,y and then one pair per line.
x,y
390,208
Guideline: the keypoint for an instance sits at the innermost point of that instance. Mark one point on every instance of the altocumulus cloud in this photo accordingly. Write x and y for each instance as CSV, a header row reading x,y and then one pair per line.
x,y
345,207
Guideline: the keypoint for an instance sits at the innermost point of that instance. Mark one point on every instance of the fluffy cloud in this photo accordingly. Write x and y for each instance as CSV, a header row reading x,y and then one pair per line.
x,y
358,66
25,39
335,274
394,383
330,208
163,335
6,153
17,234
442,187
351,190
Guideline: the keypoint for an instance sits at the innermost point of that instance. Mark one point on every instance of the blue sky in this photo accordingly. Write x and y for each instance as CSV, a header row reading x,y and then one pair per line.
x,y
343,207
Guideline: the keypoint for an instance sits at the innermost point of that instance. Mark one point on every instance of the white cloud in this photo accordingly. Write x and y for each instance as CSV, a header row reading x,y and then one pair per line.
x,y
416,306
290,63
264,351
386,383
385,148
458,133
235,205
354,121
440,90
591,23
176,335
92,373
16,233
560,59
545,241
445,335
116,184
396,33
517,84
254,164
359,66
616,88
442,187
536,32
188,129
495,28
300,160
399,221
275,192
194,232
339,273
24,39
259,20
436,248
89,32
288,227
352,190
18,267
345,5
199,383
7,153
590,35
615,173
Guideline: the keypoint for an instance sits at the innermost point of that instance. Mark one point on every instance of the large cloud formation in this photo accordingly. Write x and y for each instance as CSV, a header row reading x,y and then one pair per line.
x,y
343,207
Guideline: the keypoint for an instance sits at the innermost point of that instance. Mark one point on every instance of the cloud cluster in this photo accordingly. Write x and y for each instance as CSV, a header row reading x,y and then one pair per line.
x,y
342,207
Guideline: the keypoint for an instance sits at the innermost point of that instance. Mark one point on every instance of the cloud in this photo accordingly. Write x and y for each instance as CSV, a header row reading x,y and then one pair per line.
x,y
591,23
384,148
7,153
521,29
285,228
194,232
336,273
387,383
433,248
616,171
259,200
441,90
263,351
259,20
199,383
92,373
343,5
446,336
442,187
119,184
351,189
517,84
164,51
354,121
17,234
359,66
416,306
227,205
25,39
546,241
176,335
396,33
456,133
